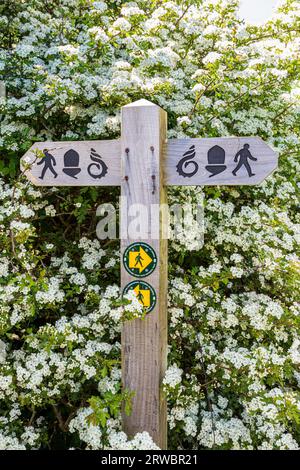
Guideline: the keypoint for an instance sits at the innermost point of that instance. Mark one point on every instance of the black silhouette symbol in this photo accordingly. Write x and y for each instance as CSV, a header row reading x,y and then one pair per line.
x,y
244,154
71,162
216,160
49,161
186,161
138,260
99,164
140,297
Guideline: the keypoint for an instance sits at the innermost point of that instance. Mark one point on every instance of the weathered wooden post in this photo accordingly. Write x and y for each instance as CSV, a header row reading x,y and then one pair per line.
x,y
144,342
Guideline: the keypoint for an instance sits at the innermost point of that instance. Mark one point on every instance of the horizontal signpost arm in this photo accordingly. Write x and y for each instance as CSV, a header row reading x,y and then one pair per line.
x,y
218,161
74,163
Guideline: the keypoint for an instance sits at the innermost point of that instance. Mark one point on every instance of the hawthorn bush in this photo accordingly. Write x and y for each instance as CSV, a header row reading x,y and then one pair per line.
x,y
234,346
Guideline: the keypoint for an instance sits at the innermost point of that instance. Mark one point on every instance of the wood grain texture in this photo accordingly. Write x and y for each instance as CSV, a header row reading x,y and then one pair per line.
x,y
109,150
267,161
144,342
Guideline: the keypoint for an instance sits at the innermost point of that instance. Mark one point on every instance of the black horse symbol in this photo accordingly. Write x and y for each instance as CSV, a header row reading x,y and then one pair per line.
x,y
186,161
49,161
99,164
244,154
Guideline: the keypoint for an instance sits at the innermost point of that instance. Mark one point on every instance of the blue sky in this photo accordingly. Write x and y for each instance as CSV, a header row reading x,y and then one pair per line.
x,y
257,11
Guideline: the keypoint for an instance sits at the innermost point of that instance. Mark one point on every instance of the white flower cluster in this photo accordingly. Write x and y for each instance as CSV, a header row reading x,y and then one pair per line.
x,y
173,376
92,435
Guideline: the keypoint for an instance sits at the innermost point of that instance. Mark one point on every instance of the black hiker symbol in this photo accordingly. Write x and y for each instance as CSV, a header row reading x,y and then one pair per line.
x,y
49,161
140,297
138,260
244,154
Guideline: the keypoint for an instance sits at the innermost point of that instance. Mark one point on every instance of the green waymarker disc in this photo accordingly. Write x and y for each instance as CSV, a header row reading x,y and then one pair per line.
x,y
139,259
144,292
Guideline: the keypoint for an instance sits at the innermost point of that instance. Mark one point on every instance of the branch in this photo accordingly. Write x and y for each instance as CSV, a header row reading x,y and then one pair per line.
x,y
183,14
61,423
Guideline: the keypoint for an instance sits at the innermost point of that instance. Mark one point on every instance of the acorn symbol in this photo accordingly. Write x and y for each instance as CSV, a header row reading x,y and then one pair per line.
x,y
71,162
216,160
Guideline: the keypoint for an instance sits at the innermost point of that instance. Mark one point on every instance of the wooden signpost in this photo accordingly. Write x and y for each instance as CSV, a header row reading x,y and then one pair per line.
x,y
143,163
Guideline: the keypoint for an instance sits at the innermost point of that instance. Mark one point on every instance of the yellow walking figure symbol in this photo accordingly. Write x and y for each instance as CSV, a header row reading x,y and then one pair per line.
x,y
138,260
49,161
244,155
